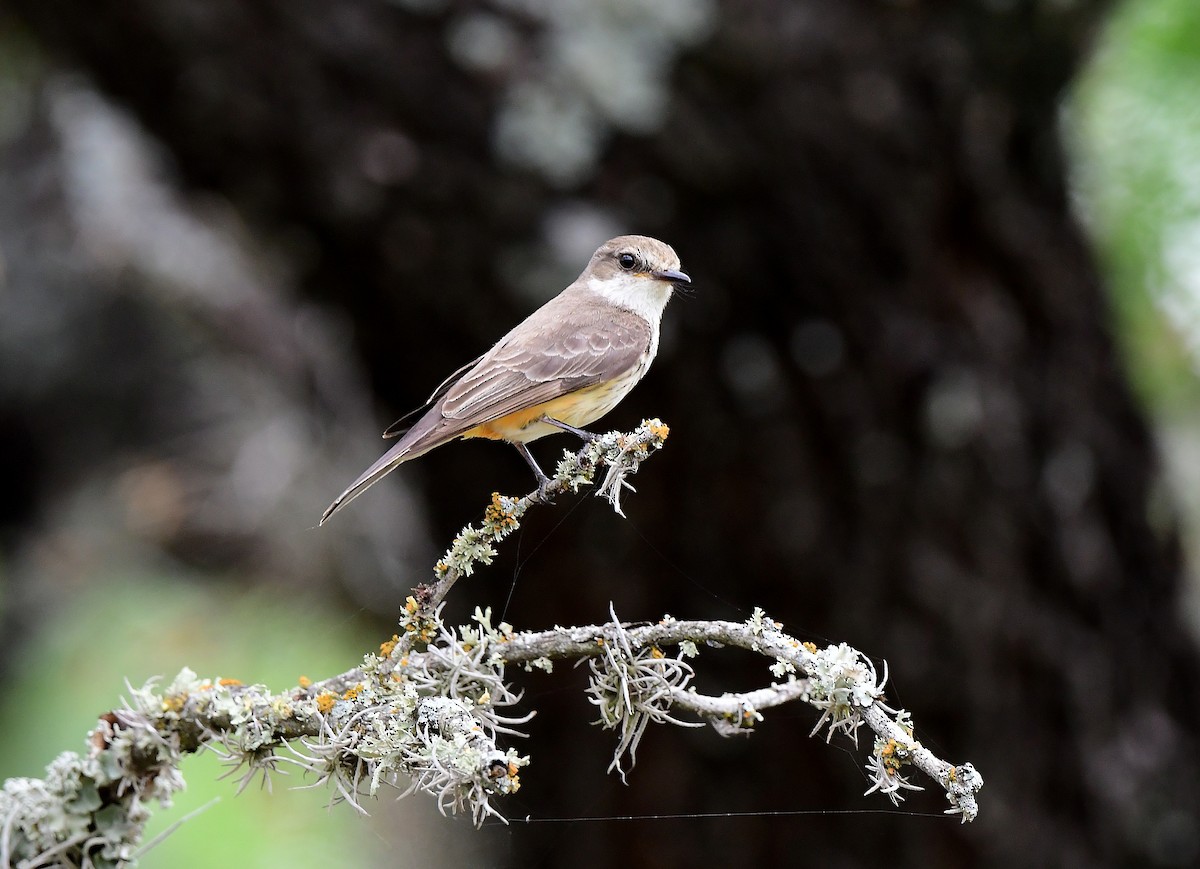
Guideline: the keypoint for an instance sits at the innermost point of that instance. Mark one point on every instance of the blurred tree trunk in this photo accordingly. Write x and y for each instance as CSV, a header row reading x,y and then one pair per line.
x,y
898,417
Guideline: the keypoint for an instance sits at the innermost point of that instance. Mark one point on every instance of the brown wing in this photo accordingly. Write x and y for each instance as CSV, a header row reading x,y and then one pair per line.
x,y
548,356
567,344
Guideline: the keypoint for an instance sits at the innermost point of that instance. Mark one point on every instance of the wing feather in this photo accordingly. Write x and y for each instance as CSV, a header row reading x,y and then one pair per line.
x,y
531,366
400,426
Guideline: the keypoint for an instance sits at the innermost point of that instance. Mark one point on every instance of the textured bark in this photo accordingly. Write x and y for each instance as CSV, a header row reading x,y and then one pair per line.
x,y
897,415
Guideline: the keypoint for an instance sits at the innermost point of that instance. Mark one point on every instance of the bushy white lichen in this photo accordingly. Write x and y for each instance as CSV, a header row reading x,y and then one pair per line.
x,y
430,718
842,682
632,688
887,758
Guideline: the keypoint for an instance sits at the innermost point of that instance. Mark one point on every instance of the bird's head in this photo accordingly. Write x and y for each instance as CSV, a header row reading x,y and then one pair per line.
x,y
636,272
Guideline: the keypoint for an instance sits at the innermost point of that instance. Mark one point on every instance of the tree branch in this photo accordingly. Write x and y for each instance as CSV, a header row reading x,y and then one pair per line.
x,y
621,453
427,711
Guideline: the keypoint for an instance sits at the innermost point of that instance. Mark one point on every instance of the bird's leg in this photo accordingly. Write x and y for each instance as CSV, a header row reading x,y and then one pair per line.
x,y
543,480
578,432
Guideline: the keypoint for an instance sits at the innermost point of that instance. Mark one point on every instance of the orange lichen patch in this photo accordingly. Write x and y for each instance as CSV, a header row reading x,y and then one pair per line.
x,y
812,647
304,682
174,703
441,568
325,701
656,652
498,515
424,631
388,646
891,756
599,641
660,430
229,683
352,692
411,605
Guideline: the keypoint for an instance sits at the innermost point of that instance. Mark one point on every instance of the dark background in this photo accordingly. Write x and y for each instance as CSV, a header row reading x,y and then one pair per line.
x,y
898,416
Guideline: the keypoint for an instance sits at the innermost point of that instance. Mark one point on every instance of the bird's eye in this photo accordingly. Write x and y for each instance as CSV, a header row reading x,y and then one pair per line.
x,y
627,261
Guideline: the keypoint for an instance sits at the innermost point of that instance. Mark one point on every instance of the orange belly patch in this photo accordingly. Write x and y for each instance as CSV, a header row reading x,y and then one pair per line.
x,y
576,408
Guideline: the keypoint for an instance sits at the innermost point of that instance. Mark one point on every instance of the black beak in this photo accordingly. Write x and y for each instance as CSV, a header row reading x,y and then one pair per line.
x,y
673,275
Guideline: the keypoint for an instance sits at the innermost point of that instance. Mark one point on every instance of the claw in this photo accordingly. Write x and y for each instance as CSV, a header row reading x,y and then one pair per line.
x,y
542,496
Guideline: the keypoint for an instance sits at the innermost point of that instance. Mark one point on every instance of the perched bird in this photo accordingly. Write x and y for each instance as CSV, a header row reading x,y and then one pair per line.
x,y
569,363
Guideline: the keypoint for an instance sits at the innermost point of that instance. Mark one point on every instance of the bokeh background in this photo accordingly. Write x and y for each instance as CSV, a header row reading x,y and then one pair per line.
x,y
935,395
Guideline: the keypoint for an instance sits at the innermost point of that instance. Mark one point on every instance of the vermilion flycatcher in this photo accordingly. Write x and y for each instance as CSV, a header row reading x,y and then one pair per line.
x,y
569,363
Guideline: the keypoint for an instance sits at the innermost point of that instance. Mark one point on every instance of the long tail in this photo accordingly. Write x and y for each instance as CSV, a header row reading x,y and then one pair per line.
x,y
429,432
387,463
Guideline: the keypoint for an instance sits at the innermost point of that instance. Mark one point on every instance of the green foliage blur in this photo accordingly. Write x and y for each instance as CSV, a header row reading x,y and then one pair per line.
x,y
1133,128
73,670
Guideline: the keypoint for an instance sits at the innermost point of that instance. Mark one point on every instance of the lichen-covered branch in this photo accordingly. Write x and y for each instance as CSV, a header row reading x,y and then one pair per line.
x,y
635,683
622,453
428,712
91,808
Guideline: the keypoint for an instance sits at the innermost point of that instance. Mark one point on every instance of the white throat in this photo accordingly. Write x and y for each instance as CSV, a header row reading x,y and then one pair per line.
x,y
644,296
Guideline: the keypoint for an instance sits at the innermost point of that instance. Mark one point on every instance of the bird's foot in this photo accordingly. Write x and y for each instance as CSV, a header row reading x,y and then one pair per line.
x,y
543,495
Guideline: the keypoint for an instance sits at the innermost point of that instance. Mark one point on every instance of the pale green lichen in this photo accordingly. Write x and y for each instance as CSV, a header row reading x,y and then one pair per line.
x,y
762,625
91,809
962,782
739,721
782,667
543,663
842,682
759,621
474,543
